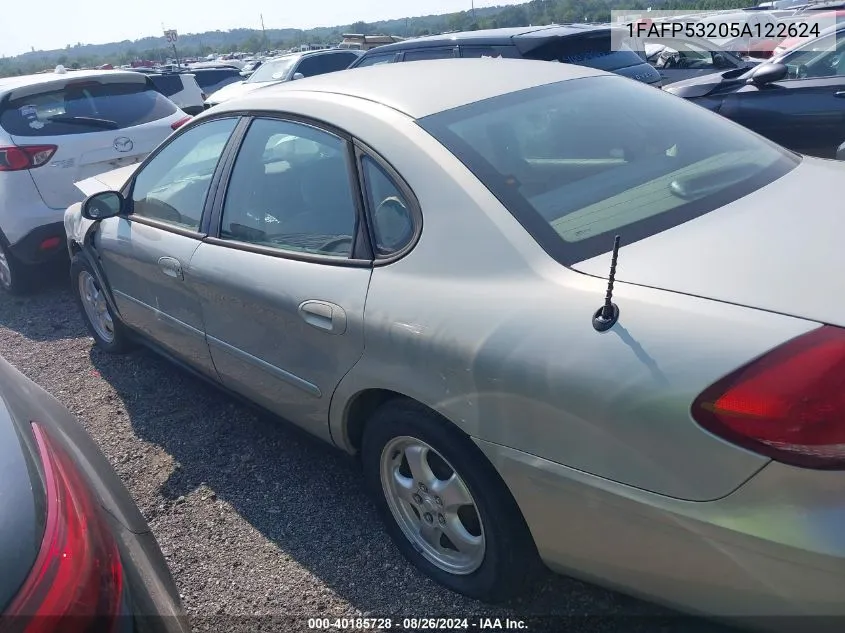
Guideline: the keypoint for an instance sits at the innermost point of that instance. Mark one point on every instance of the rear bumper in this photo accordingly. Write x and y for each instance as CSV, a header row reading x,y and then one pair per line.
x,y
770,555
44,244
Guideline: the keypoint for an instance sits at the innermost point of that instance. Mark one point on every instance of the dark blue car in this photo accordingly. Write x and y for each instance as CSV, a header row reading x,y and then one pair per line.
x,y
796,99
582,44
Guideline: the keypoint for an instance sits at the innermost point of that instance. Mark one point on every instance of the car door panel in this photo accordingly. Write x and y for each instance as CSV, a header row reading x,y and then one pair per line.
x,y
283,301
148,269
804,115
265,343
146,252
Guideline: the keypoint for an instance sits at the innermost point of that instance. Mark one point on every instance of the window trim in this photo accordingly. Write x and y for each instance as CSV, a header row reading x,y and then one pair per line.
x,y
129,187
362,150
358,258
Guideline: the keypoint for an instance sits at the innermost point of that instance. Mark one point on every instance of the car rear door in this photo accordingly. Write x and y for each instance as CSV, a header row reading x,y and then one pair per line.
x,y
146,252
283,285
95,124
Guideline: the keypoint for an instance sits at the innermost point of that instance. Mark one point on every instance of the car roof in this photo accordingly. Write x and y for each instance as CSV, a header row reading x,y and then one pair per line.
x,y
492,37
433,86
8,84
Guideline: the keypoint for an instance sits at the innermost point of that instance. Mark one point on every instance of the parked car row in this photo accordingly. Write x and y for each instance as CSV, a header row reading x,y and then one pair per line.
x,y
662,367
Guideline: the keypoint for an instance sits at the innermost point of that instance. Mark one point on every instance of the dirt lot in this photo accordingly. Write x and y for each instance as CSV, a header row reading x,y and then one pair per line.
x,y
254,517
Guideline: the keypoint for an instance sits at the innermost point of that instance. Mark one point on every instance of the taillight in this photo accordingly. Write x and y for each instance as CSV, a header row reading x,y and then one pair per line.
x,y
18,158
788,404
77,580
177,124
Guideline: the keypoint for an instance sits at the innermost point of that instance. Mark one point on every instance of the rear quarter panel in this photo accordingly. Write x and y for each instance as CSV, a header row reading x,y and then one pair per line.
x,y
482,326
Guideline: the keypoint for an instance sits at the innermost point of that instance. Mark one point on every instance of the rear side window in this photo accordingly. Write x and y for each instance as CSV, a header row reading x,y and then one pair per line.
x,y
375,60
428,53
320,64
489,51
167,85
84,107
594,51
575,167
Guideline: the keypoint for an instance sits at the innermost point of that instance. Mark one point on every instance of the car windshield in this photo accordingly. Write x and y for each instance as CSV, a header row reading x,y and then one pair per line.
x,y
276,70
580,161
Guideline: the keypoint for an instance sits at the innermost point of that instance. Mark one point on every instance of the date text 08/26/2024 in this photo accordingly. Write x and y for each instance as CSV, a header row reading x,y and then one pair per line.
x,y
416,624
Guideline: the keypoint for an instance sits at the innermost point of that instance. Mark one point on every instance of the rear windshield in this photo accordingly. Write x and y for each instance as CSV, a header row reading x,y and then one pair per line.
x,y
168,85
580,161
595,51
84,107
206,78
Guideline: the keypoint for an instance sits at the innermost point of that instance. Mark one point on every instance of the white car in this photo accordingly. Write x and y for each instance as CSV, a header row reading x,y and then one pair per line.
x,y
56,129
286,68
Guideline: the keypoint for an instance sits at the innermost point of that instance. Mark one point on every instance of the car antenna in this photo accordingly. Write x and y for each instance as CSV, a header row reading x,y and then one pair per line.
x,y
607,315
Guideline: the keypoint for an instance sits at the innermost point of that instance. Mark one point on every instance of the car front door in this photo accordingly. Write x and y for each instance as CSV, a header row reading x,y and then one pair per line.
x,y
804,112
284,282
146,254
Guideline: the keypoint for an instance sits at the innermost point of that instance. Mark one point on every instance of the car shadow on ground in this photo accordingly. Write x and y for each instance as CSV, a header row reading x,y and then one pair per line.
x,y
48,298
307,498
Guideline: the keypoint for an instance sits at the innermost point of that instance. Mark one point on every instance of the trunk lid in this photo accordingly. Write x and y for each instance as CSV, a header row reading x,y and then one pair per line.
x,y
97,124
777,249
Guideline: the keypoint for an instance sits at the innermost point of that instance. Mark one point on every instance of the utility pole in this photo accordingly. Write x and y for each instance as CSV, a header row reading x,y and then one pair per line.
x,y
473,10
263,34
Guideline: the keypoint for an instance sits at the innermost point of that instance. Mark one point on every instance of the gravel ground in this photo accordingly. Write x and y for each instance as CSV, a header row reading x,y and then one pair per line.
x,y
254,517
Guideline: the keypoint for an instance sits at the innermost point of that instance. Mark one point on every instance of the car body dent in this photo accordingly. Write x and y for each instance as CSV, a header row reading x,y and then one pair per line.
x,y
488,364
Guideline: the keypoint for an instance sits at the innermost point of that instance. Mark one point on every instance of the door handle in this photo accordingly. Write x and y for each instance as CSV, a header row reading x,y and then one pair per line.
x,y
171,267
840,94
323,315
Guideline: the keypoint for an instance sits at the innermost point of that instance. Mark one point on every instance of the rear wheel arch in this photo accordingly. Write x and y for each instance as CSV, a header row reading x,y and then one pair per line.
x,y
361,407
377,419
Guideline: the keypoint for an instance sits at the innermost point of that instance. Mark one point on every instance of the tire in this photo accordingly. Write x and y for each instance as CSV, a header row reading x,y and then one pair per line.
x,y
509,562
15,276
114,339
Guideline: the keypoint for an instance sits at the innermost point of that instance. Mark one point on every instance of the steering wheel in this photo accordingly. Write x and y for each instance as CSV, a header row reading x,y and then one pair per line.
x,y
333,243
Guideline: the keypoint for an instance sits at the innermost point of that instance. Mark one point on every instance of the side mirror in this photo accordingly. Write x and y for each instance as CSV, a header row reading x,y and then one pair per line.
x,y
106,204
767,73
297,76
840,153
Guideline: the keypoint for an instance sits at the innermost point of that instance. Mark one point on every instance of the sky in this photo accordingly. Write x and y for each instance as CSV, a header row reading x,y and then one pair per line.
x,y
51,24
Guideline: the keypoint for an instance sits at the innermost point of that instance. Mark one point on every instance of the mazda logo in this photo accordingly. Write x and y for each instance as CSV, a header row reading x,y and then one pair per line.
x,y
123,144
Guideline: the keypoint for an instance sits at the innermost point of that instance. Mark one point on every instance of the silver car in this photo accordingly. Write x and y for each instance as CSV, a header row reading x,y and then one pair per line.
x,y
414,267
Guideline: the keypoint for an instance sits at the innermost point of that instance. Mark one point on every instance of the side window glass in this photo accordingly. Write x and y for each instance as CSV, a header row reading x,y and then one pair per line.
x,y
824,57
428,53
485,51
392,222
375,60
173,186
290,190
